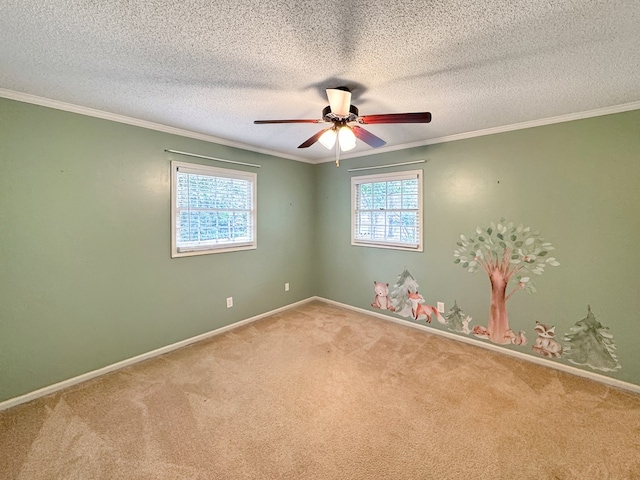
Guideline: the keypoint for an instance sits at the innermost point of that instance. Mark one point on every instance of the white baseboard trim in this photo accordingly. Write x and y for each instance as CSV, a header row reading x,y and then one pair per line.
x,y
27,397
522,356
12,402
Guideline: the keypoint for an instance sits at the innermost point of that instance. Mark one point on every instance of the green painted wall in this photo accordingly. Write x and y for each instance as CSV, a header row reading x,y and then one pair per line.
x,y
86,278
576,182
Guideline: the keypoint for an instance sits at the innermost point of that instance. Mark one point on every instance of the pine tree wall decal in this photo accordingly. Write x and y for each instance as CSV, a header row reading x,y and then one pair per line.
x,y
457,320
591,344
399,296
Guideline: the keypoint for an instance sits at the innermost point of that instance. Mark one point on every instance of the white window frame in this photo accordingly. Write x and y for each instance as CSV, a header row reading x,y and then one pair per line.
x,y
386,243
208,248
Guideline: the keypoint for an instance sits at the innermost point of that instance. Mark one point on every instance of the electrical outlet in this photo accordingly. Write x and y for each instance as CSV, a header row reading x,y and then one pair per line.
x,y
229,302
441,307
286,287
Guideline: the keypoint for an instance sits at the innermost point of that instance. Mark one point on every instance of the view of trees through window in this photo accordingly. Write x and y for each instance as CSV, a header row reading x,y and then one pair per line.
x,y
387,212
214,209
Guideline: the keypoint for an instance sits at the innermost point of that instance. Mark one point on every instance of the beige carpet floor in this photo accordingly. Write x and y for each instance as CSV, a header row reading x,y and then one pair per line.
x,y
320,392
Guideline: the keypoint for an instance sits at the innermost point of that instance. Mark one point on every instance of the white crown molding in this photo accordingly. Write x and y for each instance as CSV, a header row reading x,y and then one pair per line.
x,y
114,117
91,112
632,387
625,107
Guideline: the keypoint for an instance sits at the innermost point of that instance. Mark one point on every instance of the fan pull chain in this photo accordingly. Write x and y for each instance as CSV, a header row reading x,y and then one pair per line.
x,y
337,154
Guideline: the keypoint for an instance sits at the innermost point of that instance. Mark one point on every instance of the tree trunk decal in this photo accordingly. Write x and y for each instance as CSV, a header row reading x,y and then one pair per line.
x,y
505,252
498,318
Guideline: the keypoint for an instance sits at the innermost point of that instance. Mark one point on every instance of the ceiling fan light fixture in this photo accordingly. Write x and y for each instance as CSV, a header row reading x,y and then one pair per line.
x,y
328,138
346,138
339,101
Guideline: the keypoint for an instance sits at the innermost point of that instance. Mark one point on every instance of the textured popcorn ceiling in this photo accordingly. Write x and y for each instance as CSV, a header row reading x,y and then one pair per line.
x,y
212,67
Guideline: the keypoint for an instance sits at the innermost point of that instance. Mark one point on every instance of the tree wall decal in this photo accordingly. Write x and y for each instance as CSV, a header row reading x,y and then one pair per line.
x,y
457,320
506,253
399,296
591,344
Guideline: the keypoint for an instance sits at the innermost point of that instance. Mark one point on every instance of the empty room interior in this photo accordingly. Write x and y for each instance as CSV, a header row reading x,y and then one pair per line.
x,y
337,240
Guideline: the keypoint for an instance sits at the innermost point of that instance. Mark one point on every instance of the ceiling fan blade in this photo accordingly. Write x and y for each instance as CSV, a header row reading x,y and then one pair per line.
x,y
339,101
418,117
311,140
368,137
298,120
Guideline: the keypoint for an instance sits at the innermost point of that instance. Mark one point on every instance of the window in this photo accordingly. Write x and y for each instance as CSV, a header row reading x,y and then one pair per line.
x,y
387,210
213,210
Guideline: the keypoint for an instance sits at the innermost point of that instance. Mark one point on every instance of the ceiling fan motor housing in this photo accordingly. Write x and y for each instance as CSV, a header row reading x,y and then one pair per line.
x,y
328,116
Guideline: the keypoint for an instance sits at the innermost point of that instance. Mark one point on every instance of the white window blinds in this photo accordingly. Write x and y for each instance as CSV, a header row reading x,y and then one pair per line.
x,y
213,209
387,210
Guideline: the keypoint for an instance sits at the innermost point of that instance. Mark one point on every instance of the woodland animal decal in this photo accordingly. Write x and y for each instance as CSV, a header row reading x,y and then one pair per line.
x,y
382,296
545,344
465,325
398,296
518,339
509,336
421,310
506,253
407,302
480,331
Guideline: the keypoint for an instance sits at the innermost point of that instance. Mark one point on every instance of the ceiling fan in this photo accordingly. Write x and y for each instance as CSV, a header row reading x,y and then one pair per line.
x,y
345,123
